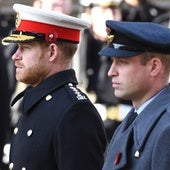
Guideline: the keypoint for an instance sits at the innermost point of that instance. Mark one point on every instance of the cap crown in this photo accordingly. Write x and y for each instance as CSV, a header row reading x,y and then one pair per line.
x,y
32,23
126,39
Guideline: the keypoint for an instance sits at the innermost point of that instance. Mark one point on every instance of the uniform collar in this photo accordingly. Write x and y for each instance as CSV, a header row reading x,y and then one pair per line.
x,y
142,107
34,94
149,116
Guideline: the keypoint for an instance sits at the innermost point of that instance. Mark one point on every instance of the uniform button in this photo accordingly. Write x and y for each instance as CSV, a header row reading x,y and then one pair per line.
x,y
11,165
70,84
29,132
51,36
48,97
15,130
137,154
23,168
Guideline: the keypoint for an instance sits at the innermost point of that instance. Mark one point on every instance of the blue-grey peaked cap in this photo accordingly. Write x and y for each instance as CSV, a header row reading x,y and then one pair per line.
x,y
127,39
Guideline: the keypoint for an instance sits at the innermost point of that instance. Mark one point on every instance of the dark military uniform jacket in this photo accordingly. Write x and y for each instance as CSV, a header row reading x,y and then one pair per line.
x,y
145,145
59,128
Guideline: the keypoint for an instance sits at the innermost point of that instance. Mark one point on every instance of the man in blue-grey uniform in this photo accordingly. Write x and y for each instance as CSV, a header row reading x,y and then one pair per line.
x,y
59,128
140,71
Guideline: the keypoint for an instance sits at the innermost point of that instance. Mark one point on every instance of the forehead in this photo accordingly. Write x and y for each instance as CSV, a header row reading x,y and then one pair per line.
x,y
33,43
29,43
132,58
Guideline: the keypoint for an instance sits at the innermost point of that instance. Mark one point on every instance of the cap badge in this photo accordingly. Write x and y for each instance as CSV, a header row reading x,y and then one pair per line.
x,y
18,20
110,38
109,35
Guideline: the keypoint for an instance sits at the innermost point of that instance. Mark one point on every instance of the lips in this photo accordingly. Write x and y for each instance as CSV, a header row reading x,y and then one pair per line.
x,y
115,85
18,65
18,68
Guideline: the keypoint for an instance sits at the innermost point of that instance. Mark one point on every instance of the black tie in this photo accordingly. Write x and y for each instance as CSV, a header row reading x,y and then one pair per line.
x,y
131,117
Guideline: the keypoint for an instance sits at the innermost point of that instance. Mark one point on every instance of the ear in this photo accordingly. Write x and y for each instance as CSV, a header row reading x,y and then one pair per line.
x,y
53,49
156,66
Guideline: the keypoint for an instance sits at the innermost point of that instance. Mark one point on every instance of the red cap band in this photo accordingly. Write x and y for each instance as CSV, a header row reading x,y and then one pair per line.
x,y
52,32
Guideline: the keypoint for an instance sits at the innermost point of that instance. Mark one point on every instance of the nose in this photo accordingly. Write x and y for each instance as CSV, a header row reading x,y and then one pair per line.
x,y
16,55
112,71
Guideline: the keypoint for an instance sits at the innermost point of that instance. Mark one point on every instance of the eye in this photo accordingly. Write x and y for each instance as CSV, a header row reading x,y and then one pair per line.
x,y
24,47
122,61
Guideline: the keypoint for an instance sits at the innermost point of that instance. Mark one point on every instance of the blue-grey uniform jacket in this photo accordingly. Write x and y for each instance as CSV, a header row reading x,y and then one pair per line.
x,y
145,145
59,128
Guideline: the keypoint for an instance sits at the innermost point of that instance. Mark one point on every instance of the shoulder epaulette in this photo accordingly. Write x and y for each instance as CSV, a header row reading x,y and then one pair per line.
x,y
75,93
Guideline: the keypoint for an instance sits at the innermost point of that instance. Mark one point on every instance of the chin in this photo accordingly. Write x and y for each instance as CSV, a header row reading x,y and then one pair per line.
x,y
121,96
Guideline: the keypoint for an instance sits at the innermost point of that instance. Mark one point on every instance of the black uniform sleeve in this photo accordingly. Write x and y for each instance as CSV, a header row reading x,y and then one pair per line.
x,y
80,139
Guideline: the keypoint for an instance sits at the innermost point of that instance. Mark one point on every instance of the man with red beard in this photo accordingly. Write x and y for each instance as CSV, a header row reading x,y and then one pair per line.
x,y
59,127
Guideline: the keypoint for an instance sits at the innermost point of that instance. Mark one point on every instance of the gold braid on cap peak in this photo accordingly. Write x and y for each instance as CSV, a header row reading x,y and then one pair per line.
x,y
21,37
17,38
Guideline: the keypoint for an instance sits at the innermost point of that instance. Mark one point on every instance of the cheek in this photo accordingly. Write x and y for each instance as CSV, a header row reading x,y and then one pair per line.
x,y
131,76
138,77
31,59
29,63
